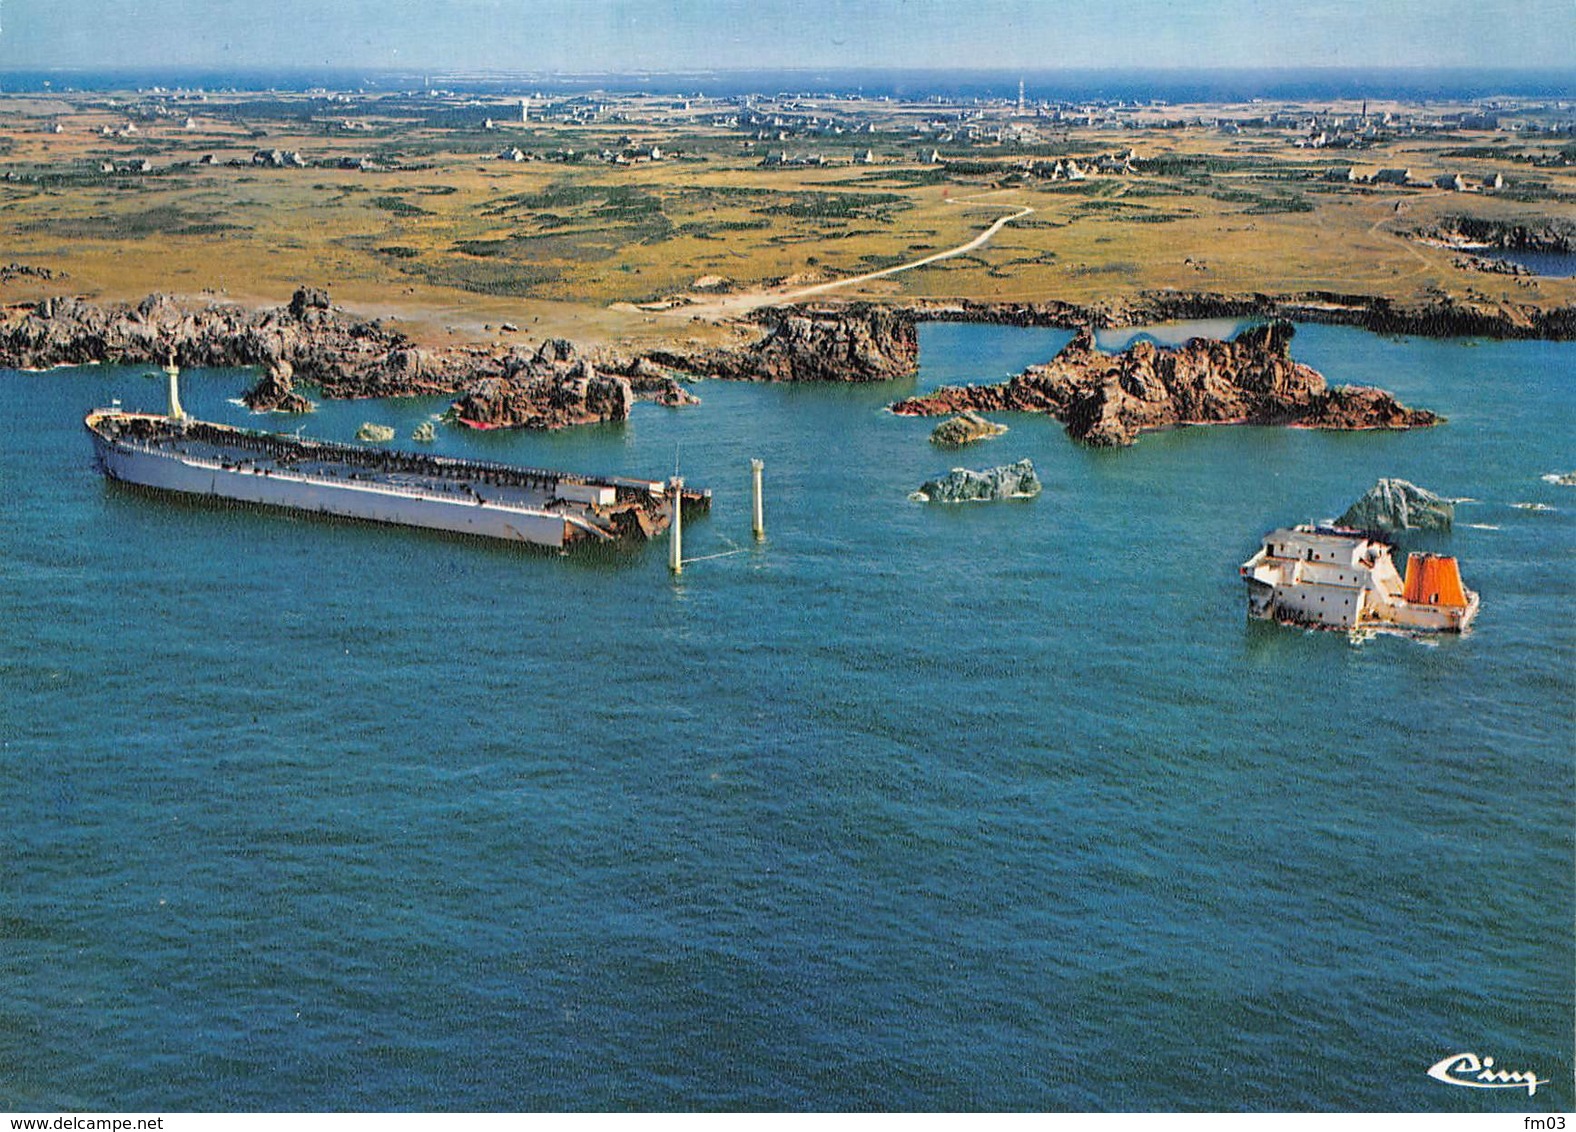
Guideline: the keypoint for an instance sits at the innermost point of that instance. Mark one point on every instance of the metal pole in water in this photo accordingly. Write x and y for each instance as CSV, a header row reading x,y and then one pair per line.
x,y
676,528
759,525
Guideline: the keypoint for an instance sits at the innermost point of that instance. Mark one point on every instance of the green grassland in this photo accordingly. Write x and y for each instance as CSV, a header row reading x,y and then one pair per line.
x,y
443,234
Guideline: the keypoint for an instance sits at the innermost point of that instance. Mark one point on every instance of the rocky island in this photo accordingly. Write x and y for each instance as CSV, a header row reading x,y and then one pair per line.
x,y
1398,505
964,485
1108,399
965,428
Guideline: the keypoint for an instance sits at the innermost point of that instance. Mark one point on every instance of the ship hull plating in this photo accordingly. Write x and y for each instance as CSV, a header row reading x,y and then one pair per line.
x,y
517,505
278,489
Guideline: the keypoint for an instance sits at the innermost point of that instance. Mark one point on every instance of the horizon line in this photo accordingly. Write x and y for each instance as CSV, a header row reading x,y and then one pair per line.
x,y
837,68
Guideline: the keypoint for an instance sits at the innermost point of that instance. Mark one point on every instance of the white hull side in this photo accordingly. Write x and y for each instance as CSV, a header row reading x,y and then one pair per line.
x,y
1327,584
354,501
1431,618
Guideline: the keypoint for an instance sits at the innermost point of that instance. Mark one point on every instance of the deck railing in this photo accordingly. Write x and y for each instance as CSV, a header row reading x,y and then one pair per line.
x,y
293,474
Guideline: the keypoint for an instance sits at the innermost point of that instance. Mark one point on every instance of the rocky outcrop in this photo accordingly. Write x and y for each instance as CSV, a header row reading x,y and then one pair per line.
x,y
1547,234
960,485
965,428
648,380
1442,316
1353,408
311,342
344,356
309,299
553,388
856,342
1108,399
1397,505
275,393
14,270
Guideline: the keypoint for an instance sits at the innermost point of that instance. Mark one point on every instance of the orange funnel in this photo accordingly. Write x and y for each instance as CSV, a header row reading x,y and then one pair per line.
x,y
1433,579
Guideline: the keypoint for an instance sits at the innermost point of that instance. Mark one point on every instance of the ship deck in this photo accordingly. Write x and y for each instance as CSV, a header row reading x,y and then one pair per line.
x,y
445,492
416,473
453,481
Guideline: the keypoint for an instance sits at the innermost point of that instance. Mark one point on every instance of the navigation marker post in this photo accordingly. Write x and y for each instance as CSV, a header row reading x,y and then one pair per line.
x,y
174,372
759,524
676,528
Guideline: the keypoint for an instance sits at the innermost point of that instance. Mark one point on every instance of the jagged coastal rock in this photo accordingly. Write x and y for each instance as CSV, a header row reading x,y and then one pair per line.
x,y
341,355
1104,399
1544,234
1108,399
310,341
1397,505
649,381
553,388
965,428
1441,316
961,485
275,393
856,342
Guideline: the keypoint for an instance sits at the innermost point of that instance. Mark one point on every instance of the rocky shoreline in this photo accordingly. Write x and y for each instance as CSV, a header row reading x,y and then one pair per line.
x,y
1444,317
1106,400
311,343
1474,232
835,342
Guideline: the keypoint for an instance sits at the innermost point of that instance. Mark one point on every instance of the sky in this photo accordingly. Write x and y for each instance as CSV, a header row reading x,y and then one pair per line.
x,y
584,36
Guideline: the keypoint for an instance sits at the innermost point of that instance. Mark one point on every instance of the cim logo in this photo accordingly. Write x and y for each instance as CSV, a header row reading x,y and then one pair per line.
x,y
1472,1072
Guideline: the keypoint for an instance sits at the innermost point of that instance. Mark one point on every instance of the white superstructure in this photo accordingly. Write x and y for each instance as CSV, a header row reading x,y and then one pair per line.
x,y
1339,579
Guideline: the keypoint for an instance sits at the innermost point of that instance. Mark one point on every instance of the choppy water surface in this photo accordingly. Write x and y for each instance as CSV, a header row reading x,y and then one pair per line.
x,y
991,807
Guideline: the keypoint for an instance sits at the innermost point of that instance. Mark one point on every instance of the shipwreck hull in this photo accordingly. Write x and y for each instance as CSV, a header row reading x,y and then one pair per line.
x,y
573,510
1335,578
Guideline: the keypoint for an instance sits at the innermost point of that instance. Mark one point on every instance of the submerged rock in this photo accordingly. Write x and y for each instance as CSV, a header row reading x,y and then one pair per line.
x,y
961,485
965,428
1396,505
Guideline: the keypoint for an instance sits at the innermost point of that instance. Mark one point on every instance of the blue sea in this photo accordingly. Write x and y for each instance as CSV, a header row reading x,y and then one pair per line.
x,y
907,807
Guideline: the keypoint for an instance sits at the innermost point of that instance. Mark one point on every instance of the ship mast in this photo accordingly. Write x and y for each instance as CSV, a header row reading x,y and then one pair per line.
x,y
174,371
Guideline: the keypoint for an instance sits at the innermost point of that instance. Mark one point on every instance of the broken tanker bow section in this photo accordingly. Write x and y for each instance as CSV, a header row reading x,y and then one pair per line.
x,y
173,452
